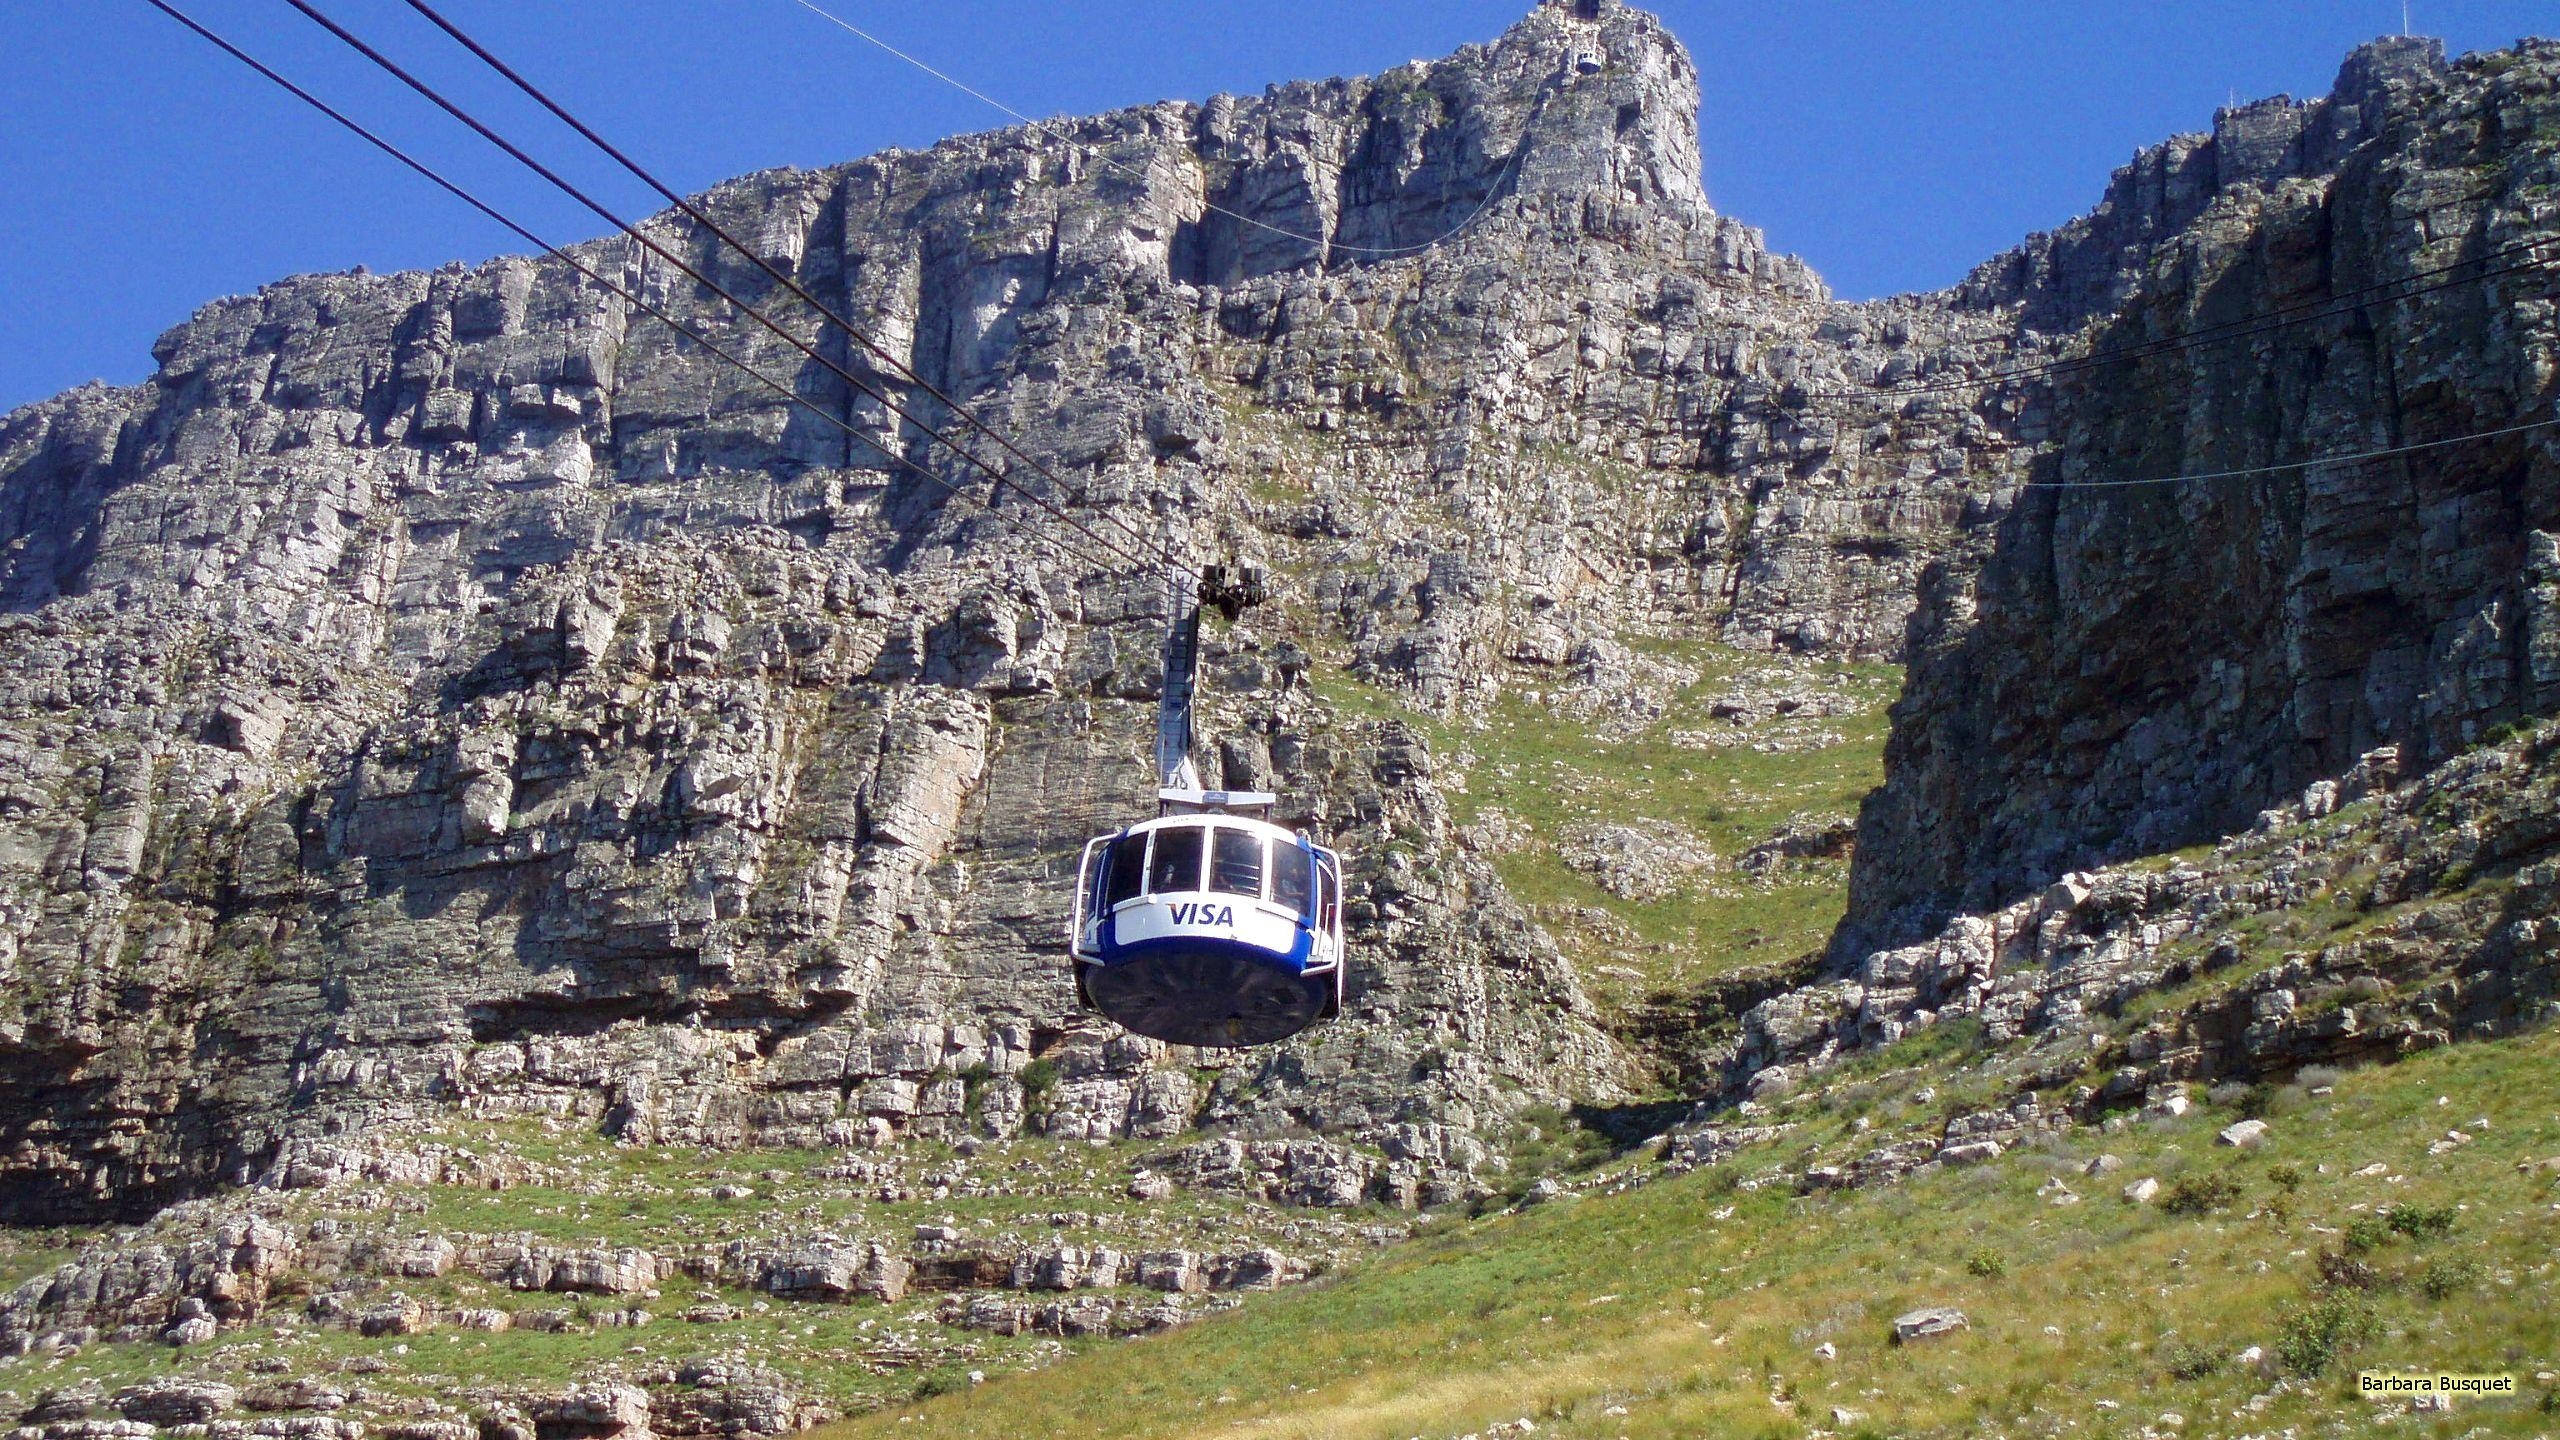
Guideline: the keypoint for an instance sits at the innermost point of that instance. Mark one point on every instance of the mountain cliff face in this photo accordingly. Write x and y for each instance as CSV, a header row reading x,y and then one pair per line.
x,y
460,690
455,688
2111,672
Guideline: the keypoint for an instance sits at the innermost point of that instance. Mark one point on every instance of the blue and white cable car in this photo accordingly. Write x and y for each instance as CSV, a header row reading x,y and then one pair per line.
x,y
1210,928
1206,926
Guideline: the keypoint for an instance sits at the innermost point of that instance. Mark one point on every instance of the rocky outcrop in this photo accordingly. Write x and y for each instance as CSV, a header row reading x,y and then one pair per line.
x,y
202,1270
459,689
2431,902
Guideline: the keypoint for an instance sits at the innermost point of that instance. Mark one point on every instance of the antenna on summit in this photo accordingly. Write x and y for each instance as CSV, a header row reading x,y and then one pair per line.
x,y
2404,18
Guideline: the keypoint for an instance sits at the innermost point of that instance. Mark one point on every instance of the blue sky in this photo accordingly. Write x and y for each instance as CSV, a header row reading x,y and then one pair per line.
x,y
1893,143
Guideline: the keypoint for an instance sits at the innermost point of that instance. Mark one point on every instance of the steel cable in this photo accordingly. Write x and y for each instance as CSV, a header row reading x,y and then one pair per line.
x,y
999,480
572,261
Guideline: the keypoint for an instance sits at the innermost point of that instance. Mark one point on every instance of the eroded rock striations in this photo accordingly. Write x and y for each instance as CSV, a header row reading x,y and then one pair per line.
x,y
461,690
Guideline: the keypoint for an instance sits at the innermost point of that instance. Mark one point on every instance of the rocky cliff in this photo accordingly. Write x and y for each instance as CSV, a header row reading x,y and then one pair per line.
x,y
2111,671
461,690
458,688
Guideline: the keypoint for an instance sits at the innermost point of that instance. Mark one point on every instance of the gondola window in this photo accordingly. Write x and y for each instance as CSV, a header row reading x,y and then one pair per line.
x,y
1177,861
1235,863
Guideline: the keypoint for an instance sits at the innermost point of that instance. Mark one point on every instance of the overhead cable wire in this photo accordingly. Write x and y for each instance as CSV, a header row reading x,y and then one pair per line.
x,y
998,478
2292,465
882,353
567,258
1059,132
2222,332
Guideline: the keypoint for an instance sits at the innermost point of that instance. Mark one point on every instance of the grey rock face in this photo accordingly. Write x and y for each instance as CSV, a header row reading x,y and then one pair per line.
x,y
2110,672
456,687
175,1401
460,688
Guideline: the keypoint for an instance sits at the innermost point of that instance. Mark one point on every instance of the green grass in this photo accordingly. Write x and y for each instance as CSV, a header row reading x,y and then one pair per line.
x,y
1551,770
1695,1308
610,1194
26,1254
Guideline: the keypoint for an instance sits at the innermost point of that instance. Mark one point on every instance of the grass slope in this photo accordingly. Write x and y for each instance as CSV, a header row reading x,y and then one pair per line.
x,y
1695,1306
1548,768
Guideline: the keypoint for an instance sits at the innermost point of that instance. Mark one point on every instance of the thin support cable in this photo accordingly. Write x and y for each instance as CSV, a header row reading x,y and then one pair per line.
x,y
2293,465
1510,165
999,480
581,267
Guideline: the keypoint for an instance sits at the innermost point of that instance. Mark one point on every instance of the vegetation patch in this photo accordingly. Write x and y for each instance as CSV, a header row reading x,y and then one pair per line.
x,y
1526,773
1699,1305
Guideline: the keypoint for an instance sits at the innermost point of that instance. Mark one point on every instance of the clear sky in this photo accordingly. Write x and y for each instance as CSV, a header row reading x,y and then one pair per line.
x,y
1893,143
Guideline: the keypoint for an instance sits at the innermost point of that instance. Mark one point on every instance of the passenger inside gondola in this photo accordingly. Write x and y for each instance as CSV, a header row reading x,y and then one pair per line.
x,y
1176,862
1235,862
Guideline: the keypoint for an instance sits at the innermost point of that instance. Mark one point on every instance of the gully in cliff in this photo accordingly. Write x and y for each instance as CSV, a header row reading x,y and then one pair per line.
x,y
1208,925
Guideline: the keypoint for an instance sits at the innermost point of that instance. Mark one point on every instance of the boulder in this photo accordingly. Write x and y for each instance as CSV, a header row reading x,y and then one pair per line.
x,y
175,1402
602,1272
1927,1323
592,1412
2247,1135
836,1270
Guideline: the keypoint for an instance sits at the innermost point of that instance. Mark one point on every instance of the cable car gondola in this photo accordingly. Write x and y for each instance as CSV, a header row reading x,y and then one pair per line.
x,y
1208,925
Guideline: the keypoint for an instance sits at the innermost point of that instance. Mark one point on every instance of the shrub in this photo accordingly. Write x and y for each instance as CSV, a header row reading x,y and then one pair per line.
x,y
2444,1279
2200,1194
2315,1335
1987,1263
973,1090
2287,1177
1038,1078
2422,1222
2341,1271
2265,1102
2190,1362
2365,1234
2501,734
